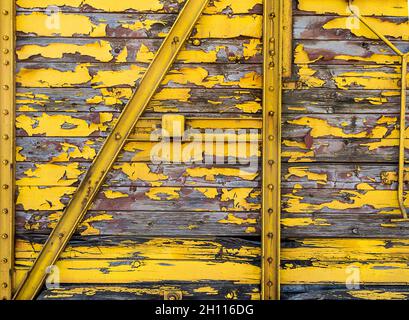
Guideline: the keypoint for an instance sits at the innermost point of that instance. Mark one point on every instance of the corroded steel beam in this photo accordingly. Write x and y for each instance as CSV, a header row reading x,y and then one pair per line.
x,y
272,84
109,151
7,138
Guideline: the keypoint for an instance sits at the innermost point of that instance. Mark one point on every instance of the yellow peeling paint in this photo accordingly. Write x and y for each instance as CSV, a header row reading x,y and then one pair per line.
x,y
109,194
249,107
239,196
36,198
206,289
123,56
199,56
61,125
377,199
305,73
321,128
144,55
222,26
210,193
141,171
377,58
252,48
303,222
87,223
53,78
200,77
19,156
51,175
397,8
70,151
373,100
368,80
108,78
111,96
377,295
297,156
232,219
387,28
142,24
210,173
61,24
178,94
109,6
163,193
302,172
242,6
100,50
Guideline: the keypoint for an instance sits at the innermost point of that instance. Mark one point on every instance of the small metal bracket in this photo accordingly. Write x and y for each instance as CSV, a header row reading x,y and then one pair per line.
x,y
173,125
7,147
172,295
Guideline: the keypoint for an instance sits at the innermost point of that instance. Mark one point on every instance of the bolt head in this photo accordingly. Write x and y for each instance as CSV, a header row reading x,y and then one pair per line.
x,y
4,285
4,236
5,137
5,51
5,211
5,186
5,12
6,62
6,37
5,87
5,112
4,260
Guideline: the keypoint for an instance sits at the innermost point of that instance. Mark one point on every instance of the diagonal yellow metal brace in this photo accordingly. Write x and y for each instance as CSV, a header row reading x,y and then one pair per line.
x,y
96,174
7,134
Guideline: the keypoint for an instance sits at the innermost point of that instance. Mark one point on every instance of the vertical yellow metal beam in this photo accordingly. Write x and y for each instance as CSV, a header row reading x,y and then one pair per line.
x,y
287,50
7,165
95,176
272,35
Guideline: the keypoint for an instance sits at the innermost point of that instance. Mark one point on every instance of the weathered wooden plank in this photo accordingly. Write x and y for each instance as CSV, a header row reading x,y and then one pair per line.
x,y
349,52
141,248
341,126
133,25
147,129
339,292
37,149
374,261
116,50
159,199
142,223
222,101
364,199
341,150
99,75
397,8
207,290
322,100
148,6
140,175
344,225
315,27
345,77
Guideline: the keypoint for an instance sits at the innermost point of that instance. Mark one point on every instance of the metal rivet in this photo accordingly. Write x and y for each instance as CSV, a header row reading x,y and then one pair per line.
x,y
270,260
270,186
270,162
5,137
4,260
60,235
5,162
4,235
197,42
272,15
269,283
176,40
118,136
271,88
5,87
4,285
5,186
6,62
270,211
5,112
355,231
5,211
5,51
271,113
270,234
5,12
271,138
5,37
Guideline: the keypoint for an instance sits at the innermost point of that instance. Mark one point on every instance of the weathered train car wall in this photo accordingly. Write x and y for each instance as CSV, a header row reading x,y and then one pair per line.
x,y
343,236
154,230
